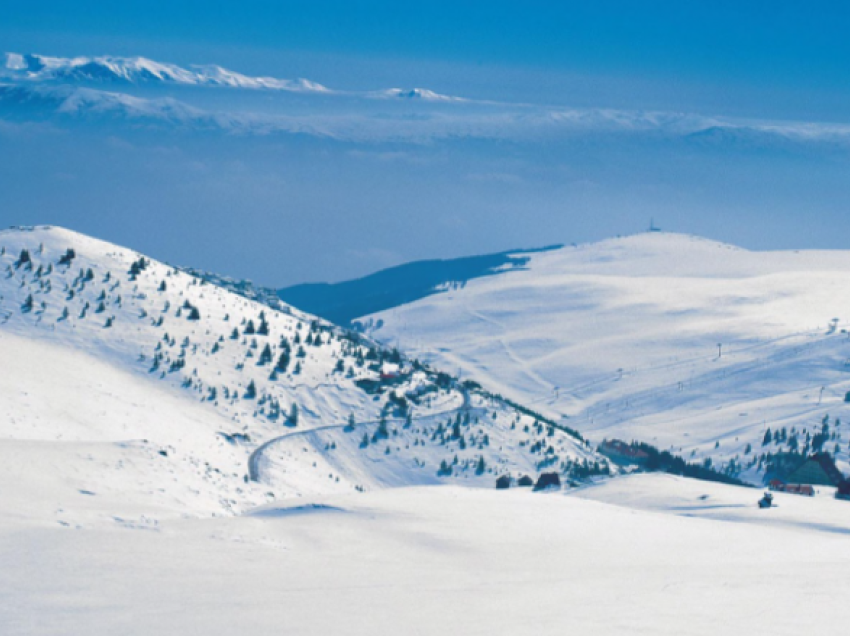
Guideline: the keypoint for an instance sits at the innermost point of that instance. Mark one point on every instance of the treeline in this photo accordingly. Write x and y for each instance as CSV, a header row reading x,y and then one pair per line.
x,y
471,385
666,462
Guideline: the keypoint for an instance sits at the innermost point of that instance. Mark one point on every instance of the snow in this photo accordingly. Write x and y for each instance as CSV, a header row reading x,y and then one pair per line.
x,y
422,94
125,505
621,337
426,561
95,354
140,69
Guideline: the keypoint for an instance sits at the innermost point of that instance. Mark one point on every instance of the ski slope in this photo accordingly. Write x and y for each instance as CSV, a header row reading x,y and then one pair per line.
x,y
678,341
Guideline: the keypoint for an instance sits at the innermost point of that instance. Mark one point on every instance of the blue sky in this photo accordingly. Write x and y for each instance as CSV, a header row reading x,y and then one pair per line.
x,y
348,206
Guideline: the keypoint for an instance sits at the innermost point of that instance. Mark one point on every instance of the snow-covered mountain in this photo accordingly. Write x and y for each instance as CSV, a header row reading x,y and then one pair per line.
x,y
106,89
422,94
686,343
158,388
109,69
135,70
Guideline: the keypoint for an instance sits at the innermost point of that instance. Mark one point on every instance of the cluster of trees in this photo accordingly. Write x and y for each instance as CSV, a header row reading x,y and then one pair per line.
x,y
446,468
804,441
666,462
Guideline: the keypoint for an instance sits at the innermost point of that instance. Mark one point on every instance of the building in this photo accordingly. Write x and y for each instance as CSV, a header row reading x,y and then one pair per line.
x,y
843,491
623,454
817,470
776,484
793,489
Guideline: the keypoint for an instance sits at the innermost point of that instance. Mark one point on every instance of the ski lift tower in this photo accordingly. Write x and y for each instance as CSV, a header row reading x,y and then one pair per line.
x,y
653,227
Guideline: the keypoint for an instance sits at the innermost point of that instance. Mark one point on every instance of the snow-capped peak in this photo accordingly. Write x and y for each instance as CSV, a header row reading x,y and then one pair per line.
x,y
136,70
422,94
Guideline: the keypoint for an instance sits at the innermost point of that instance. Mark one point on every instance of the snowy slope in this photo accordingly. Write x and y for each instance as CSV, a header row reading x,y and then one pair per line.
x,y
622,337
431,561
182,385
108,458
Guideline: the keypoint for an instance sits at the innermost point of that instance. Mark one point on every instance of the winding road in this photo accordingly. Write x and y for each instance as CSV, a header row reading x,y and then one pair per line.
x,y
256,455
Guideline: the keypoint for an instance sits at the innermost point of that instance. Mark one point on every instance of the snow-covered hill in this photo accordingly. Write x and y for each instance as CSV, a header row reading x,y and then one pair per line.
x,y
675,340
154,387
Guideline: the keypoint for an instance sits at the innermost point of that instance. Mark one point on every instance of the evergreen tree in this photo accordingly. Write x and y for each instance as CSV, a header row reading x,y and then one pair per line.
x,y
382,431
263,329
265,355
67,257
283,361
293,415
23,259
251,391
249,328
768,438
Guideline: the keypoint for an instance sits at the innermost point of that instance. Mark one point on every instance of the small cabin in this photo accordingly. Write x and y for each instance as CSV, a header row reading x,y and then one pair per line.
x,y
843,491
503,482
800,489
548,480
792,489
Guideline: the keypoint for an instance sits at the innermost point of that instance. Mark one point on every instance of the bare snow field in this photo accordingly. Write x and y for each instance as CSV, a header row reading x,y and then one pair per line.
x,y
430,560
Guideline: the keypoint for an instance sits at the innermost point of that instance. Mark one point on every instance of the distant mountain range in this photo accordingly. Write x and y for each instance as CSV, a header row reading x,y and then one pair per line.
x,y
113,88
140,70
